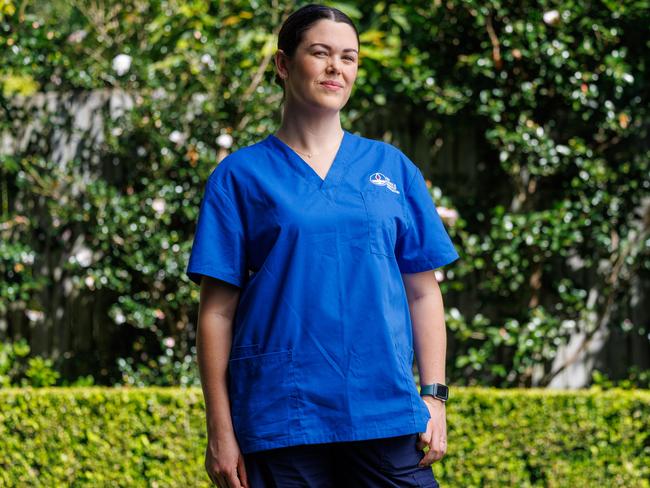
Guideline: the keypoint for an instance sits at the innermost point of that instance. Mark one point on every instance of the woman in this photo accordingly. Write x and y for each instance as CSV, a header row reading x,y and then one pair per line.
x,y
315,250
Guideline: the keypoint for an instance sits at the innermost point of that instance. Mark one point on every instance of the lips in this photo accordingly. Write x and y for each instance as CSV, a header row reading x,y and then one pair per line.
x,y
332,83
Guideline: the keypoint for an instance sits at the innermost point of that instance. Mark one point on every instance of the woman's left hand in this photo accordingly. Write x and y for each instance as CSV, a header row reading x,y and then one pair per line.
x,y
436,435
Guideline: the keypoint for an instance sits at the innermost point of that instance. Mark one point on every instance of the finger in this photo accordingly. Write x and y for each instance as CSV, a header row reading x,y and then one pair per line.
x,y
424,439
442,446
225,481
428,459
233,479
421,443
219,481
241,469
213,479
434,454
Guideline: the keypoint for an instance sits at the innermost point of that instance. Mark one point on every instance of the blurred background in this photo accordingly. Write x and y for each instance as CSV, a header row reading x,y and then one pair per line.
x,y
529,120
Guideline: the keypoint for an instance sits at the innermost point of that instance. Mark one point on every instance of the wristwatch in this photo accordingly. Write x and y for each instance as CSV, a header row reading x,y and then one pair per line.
x,y
436,390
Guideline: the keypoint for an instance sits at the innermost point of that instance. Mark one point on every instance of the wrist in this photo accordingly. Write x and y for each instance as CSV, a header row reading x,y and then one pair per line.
x,y
437,391
436,402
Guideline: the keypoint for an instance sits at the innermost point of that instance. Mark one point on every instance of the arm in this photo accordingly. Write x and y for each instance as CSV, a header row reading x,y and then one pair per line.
x,y
218,302
217,307
428,320
430,346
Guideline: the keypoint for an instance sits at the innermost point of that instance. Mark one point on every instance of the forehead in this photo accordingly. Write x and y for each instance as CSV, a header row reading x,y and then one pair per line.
x,y
336,34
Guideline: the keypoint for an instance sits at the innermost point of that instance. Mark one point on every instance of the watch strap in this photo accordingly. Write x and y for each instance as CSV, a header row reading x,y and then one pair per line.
x,y
435,391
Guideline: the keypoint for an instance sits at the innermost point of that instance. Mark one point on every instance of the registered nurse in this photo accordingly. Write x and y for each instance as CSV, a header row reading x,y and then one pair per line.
x,y
315,249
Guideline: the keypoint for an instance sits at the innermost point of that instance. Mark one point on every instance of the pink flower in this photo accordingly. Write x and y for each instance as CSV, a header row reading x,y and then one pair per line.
x,y
449,215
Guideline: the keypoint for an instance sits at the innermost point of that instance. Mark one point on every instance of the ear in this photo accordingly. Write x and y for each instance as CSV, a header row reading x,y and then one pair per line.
x,y
281,64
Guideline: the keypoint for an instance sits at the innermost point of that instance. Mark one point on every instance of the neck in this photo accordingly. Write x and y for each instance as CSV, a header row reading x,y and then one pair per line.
x,y
310,130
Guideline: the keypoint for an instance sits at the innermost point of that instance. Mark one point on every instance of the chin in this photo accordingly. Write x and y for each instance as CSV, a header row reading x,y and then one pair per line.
x,y
338,100
328,104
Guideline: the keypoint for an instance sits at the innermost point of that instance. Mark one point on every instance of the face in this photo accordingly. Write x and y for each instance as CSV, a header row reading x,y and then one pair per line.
x,y
324,67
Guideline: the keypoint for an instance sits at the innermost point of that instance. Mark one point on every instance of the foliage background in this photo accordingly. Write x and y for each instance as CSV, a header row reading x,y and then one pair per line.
x,y
156,437
552,228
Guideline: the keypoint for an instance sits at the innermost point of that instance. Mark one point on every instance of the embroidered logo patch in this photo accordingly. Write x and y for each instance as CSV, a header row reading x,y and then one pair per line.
x,y
380,179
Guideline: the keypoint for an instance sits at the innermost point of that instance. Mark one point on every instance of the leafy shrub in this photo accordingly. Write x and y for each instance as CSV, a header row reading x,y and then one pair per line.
x,y
156,437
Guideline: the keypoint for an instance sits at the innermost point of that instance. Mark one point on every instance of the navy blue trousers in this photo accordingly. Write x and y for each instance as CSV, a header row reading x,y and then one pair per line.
x,y
376,463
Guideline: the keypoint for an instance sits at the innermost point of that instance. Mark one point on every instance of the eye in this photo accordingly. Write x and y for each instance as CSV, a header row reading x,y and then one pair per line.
x,y
318,53
349,57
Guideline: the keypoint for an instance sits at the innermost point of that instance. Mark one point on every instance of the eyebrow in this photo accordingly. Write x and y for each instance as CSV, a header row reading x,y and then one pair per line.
x,y
328,47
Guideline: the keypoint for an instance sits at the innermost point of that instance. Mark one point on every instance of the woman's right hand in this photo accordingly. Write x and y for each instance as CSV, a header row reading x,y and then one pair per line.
x,y
224,462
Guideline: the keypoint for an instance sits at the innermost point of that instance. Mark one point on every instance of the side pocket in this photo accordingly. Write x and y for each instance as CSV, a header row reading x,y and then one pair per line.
x,y
239,352
384,209
261,389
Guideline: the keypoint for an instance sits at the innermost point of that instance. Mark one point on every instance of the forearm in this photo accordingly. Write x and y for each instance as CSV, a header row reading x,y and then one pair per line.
x,y
429,336
213,341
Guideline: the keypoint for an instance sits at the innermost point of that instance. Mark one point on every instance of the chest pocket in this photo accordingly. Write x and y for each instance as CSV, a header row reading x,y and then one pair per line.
x,y
385,212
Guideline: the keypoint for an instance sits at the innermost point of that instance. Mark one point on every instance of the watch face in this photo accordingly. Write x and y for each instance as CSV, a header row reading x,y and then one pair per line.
x,y
442,391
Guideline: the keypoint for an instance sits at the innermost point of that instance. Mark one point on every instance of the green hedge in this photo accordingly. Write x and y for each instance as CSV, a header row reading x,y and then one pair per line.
x,y
155,437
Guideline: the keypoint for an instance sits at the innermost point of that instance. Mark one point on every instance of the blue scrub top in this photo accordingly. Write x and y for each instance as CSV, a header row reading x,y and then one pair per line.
x,y
322,346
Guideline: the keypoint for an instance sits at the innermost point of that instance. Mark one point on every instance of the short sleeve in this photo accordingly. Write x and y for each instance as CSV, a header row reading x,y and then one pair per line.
x,y
424,244
218,249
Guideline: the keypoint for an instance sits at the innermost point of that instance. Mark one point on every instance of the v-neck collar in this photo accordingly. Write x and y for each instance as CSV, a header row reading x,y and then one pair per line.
x,y
334,173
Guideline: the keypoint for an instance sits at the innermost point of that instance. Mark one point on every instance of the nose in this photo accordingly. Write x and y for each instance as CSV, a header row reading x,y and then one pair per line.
x,y
334,64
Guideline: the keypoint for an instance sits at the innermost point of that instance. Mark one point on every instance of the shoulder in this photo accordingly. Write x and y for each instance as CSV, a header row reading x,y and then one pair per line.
x,y
383,148
390,155
232,172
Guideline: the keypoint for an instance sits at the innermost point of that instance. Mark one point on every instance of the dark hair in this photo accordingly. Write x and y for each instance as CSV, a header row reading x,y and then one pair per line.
x,y
300,21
